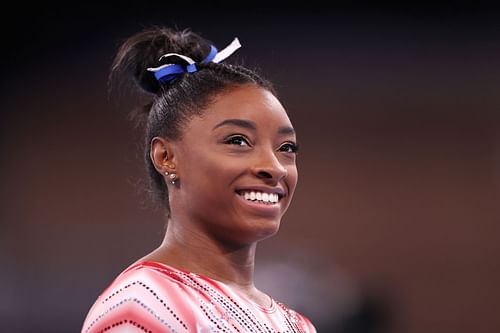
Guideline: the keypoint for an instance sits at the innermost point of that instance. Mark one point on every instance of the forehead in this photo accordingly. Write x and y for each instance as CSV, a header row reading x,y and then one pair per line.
x,y
250,103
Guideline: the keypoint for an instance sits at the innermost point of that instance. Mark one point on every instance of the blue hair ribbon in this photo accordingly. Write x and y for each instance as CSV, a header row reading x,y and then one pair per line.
x,y
168,72
211,55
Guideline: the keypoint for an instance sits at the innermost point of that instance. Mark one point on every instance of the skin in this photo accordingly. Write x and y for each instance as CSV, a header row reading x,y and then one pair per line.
x,y
212,231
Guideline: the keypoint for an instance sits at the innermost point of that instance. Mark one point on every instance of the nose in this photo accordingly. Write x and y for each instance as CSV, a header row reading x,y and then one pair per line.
x,y
269,167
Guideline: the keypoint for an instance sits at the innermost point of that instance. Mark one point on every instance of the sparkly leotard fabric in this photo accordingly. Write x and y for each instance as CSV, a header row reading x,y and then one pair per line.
x,y
153,297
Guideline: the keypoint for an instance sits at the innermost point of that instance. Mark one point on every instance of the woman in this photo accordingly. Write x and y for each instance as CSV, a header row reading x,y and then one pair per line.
x,y
221,153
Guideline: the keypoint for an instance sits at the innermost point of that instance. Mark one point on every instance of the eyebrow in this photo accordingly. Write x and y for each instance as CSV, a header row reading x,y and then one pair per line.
x,y
251,125
286,130
237,122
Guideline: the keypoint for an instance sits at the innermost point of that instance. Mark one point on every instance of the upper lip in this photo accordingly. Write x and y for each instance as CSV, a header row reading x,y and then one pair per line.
x,y
275,190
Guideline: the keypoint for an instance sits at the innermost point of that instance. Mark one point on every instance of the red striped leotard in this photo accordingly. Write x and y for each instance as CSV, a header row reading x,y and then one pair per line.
x,y
154,297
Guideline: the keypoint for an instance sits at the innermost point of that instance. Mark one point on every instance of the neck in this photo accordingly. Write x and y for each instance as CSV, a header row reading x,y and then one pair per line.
x,y
192,250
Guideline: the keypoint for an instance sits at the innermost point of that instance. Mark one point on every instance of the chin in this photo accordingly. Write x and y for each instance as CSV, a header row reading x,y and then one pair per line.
x,y
263,228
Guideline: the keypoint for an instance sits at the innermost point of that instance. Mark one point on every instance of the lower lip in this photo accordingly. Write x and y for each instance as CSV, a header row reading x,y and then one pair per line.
x,y
261,208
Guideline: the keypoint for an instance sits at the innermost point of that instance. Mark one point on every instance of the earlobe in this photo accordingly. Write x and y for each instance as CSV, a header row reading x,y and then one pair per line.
x,y
171,176
162,155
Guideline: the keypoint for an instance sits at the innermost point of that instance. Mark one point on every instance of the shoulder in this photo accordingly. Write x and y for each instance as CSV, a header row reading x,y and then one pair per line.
x,y
307,325
298,319
148,296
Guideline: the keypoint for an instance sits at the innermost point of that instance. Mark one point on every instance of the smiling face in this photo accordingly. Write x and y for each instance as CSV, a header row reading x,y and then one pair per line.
x,y
236,166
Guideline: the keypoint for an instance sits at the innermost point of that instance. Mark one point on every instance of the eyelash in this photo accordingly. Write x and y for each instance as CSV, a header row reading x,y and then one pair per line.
x,y
293,148
231,140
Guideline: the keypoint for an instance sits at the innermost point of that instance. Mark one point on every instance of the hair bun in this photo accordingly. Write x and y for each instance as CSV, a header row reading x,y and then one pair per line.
x,y
144,49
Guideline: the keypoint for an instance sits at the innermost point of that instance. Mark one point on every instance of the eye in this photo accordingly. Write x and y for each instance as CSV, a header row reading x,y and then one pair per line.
x,y
238,140
289,147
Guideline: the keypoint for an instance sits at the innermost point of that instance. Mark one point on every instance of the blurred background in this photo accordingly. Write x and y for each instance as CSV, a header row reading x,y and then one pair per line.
x,y
395,225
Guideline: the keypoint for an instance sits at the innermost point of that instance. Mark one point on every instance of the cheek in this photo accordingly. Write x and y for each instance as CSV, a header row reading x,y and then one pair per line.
x,y
292,178
209,174
214,169
207,190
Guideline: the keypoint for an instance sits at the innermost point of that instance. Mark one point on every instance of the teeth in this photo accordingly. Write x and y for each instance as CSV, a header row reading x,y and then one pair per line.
x,y
261,196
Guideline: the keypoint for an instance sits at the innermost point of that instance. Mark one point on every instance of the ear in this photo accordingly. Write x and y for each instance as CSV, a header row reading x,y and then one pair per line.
x,y
162,155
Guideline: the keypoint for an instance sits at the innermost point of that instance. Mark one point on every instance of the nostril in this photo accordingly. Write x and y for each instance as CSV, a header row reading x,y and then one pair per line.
x,y
265,174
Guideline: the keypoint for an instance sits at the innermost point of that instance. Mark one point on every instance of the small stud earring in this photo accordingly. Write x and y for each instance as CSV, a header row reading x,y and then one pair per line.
x,y
173,178
166,173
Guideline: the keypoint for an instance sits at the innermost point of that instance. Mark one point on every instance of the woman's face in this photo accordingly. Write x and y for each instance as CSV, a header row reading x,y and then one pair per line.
x,y
237,166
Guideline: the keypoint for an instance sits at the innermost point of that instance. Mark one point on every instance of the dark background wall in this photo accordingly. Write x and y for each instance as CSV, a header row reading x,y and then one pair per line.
x,y
395,224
